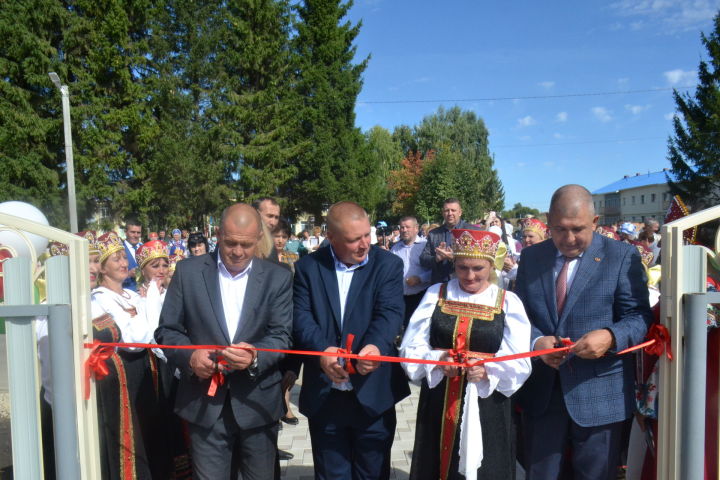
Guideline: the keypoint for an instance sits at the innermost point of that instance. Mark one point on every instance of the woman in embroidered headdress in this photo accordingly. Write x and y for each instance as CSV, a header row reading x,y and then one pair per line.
x,y
463,427
131,426
154,268
533,231
174,258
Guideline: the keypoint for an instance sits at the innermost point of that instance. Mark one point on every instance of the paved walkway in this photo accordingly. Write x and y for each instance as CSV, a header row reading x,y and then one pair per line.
x,y
296,440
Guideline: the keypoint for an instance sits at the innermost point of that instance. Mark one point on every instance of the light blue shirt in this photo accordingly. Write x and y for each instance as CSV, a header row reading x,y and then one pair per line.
x,y
410,255
344,279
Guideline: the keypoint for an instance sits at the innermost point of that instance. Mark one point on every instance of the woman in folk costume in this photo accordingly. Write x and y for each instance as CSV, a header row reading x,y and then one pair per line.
x,y
134,445
533,231
463,425
154,267
174,258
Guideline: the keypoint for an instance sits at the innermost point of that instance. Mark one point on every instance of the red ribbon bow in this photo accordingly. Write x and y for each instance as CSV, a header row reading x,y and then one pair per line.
x,y
218,378
661,337
95,365
349,367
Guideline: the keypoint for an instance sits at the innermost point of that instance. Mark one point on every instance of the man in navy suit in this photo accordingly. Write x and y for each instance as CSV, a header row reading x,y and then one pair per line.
x,y
133,232
592,290
349,288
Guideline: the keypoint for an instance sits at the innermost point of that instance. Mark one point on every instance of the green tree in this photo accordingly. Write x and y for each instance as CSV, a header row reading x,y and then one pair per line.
x,y
254,101
460,141
693,151
31,156
335,164
387,154
519,211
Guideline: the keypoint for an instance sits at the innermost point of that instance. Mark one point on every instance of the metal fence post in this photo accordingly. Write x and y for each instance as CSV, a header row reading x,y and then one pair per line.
x,y
692,443
22,374
60,333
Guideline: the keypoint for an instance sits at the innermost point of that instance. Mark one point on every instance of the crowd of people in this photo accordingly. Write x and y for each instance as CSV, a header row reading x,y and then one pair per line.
x,y
455,293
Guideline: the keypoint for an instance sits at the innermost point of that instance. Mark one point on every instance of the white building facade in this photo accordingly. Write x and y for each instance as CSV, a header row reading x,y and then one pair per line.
x,y
634,198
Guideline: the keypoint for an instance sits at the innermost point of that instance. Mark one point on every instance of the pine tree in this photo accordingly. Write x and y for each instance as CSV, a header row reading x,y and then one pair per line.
x,y
31,142
693,151
254,102
334,166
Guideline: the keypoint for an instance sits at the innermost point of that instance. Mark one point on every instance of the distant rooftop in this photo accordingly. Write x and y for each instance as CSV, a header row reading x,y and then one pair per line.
x,y
635,181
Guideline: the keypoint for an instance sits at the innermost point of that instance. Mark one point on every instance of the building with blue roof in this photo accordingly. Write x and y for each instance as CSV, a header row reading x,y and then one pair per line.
x,y
634,198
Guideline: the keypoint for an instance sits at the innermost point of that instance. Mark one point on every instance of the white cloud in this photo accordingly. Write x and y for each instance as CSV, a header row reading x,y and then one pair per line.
x,y
623,81
548,164
680,77
601,113
548,84
526,121
636,109
668,16
668,116
525,138
558,136
561,117
520,164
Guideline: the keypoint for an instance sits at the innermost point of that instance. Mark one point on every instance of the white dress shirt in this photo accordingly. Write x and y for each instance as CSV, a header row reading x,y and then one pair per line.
x,y
232,293
410,255
132,248
344,278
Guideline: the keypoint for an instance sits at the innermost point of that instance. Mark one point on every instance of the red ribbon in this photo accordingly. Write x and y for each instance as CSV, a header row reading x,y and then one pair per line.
x,y
661,337
349,367
95,365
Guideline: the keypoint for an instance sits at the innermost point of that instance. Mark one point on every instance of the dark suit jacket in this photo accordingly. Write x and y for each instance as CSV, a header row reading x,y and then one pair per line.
x,y
609,290
193,315
373,313
440,270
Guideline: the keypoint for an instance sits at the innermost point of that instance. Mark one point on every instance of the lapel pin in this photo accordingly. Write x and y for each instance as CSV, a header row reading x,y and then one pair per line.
x,y
597,259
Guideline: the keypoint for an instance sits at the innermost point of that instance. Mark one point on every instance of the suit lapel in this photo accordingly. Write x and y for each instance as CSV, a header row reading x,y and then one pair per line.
x,y
329,280
212,283
253,292
589,264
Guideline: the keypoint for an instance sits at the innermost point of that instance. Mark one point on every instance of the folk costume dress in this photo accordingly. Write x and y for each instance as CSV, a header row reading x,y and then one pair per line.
x,y
464,429
133,445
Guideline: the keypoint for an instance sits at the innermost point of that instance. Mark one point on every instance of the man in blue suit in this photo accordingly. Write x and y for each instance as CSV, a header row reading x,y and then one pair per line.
x,y
133,232
349,288
590,289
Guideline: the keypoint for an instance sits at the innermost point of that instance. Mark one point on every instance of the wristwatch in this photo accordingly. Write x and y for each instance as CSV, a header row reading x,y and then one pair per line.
x,y
253,368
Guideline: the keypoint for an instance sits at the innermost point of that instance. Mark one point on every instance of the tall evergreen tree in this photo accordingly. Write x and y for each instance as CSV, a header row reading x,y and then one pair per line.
x,y
334,166
254,104
693,151
31,143
105,62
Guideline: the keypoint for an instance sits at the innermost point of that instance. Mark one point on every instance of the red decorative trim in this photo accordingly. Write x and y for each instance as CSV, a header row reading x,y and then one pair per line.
x,y
453,392
127,436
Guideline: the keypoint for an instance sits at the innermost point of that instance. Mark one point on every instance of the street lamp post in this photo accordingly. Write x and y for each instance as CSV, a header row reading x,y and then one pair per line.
x,y
69,165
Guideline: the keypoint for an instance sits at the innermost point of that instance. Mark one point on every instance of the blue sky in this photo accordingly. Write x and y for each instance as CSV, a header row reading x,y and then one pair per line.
x,y
473,50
